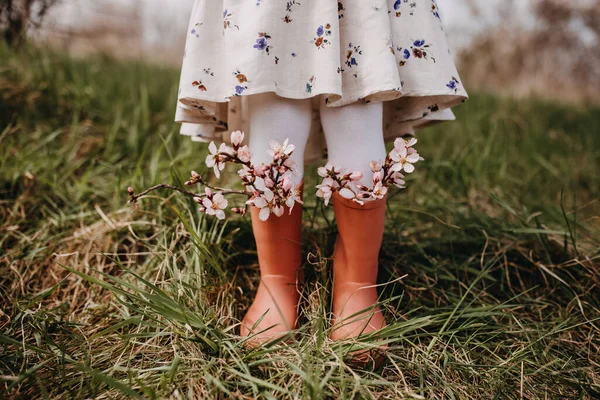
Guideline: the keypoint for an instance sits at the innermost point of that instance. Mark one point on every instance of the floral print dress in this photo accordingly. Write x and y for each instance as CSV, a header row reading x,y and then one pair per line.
x,y
394,51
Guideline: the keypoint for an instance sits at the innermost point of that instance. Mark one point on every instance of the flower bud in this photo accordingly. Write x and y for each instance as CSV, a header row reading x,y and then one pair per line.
x,y
202,209
239,210
268,182
287,183
236,138
378,176
198,200
130,191
356,176
322,171
375,166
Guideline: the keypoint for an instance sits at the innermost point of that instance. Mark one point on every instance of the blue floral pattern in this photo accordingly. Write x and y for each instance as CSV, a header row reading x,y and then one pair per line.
x,y
321,40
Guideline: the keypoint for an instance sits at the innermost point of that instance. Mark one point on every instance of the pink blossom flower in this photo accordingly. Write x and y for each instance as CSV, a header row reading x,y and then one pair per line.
x,y
290,164
379,191
375,165
268,182
400,143
245,172
323,171
356,176
215,205
279,150
260,170
214,159
236,138
324,192
404,159
328,169
293,198
378,176
244,154
264,202
325,189
397,179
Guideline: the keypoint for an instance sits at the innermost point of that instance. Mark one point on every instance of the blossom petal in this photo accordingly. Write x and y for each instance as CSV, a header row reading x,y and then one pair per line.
x,y
210,161
412,158
347,193
402,151
396,167
219,200
409,167
259,202
212,147
264,214
210,211
290,201
220,214
268,195
278,211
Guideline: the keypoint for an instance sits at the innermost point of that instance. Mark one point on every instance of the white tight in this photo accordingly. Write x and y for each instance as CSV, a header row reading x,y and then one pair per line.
x,y
354,132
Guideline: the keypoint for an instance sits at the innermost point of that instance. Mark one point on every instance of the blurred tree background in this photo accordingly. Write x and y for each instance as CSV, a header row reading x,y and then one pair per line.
x,y
555,53
17,15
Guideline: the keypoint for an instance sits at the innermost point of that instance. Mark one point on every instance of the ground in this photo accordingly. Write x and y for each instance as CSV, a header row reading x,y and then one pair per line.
x,y
489,267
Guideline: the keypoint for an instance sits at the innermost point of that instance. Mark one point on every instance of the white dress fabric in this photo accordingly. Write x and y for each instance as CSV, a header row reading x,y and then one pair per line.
x,y
348,51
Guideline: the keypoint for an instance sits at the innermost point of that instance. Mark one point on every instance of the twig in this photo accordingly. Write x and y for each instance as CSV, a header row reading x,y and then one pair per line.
x,y
133,198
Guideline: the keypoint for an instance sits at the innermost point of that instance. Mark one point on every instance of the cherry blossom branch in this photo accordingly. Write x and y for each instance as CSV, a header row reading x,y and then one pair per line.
x,y
268,187
349,184
133,197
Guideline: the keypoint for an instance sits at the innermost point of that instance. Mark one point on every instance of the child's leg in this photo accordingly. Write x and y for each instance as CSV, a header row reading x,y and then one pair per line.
x,y
278,238
278,118
354,138
354,135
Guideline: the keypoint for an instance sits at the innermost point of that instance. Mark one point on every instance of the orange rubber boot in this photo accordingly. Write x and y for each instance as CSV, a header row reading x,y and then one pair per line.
x,y
278,243
355,265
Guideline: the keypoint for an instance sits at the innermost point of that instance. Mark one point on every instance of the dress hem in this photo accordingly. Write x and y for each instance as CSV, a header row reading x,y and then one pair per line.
x,y
291,94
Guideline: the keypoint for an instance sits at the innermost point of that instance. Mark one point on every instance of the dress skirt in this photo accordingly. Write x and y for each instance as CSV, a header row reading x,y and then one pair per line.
x,y
391,51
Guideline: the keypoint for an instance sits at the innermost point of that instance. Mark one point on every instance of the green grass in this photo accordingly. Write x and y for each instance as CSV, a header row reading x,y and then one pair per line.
x,y
496,242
